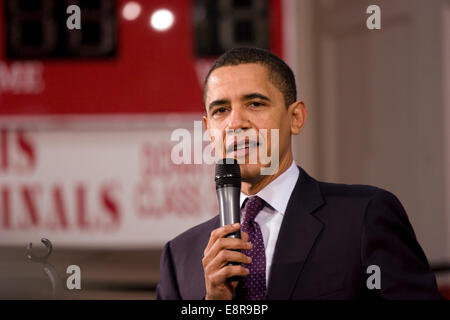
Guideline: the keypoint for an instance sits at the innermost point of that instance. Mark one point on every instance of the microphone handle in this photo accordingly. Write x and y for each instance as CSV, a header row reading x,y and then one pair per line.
x,y
230,212
229,207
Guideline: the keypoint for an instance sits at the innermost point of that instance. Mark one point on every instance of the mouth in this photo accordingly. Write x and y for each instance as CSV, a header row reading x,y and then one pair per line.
x,y
242,148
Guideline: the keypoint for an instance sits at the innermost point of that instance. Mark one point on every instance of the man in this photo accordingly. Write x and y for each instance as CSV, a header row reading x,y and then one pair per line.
x,y
301,239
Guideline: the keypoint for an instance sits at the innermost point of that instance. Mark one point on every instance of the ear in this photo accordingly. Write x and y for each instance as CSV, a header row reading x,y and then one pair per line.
x,y
205,123
298,114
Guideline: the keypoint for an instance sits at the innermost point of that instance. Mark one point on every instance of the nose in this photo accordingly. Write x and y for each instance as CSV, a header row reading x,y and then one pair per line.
x,y
238,120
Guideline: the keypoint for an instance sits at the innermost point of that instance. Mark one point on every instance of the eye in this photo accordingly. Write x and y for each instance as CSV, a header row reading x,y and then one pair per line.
x,y
256,104
219,111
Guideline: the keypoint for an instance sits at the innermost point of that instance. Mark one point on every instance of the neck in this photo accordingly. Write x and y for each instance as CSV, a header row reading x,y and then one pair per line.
x,y
253,187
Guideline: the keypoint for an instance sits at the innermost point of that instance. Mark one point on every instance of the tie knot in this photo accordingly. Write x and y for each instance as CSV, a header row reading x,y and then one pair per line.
x,y
253,206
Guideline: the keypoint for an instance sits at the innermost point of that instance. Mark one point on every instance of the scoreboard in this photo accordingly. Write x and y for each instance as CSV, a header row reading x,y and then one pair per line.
x,y
37,30
118,65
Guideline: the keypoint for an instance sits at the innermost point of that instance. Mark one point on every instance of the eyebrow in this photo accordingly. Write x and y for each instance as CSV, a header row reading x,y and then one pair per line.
x,y
255,95
220,102
249,96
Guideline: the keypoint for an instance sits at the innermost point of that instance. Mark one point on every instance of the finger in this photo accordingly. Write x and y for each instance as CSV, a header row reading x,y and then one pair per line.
x,y
220,233
244,236
224,244
221,276
226,256
228,244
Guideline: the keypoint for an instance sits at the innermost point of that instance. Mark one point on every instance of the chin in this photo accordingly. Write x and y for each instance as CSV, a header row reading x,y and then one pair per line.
x,y
250,172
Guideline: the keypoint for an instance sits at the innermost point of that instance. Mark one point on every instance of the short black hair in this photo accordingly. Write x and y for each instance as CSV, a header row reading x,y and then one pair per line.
x,y
280,74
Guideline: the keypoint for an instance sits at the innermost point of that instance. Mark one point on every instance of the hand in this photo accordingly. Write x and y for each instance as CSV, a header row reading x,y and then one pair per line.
x,y
218,253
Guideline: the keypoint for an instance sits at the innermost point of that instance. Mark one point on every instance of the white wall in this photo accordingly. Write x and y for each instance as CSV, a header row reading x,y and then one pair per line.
x,y
376,102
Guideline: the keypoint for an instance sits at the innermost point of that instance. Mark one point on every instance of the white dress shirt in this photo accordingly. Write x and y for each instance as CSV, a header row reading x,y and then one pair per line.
x,y
276,194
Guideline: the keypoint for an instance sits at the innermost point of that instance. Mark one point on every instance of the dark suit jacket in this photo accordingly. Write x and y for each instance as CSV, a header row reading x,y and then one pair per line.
x,y
330,235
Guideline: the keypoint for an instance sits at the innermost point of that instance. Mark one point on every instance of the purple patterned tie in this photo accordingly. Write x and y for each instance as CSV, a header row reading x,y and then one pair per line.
x,y
253,286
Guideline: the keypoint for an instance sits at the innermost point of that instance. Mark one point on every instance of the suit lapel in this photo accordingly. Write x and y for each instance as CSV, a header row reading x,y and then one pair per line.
x,y
298,233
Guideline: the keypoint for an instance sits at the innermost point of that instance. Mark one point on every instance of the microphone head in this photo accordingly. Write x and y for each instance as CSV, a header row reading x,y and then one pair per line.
x,y
228,173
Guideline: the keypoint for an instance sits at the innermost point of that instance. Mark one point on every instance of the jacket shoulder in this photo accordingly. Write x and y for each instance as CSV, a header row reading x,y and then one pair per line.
x,y
354,201
350,190
338,191
353,191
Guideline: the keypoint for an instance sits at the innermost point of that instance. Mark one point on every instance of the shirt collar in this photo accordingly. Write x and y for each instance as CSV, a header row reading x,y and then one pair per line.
x,y
278,192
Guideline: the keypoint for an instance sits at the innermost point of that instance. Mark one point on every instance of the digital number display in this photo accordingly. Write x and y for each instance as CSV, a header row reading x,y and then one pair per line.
x,y
37,29
223,24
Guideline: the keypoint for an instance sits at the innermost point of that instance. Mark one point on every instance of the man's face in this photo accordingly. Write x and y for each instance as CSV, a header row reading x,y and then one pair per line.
x,y
242,99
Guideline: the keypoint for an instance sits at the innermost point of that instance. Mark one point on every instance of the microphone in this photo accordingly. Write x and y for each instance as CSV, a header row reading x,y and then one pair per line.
x,y
228,189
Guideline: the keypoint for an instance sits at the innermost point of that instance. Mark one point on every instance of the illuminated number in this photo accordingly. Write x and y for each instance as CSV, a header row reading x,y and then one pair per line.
x,y
242,23
32,28
223,24
97,36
